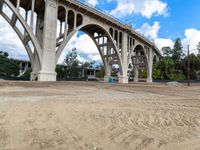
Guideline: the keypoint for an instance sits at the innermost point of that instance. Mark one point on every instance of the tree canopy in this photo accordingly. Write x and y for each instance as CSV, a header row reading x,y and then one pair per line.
x,y
174,65
198,48
8,67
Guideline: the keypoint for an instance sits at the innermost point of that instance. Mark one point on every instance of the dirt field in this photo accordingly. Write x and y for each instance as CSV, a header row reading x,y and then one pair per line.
x,y
96,116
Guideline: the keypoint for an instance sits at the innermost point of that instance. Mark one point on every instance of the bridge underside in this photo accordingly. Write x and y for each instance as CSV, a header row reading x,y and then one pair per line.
x,y
45,40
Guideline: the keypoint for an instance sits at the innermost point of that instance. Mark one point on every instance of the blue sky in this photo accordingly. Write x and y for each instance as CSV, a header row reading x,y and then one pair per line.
x,y
182,15
160,20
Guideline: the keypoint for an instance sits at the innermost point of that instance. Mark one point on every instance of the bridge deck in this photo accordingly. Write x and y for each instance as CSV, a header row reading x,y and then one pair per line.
x,y
93,12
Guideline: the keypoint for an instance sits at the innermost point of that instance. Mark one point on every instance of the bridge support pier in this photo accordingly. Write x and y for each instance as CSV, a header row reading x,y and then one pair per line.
x,y
150,66
35,69
124,77
136,79
108,70
48,64
47,76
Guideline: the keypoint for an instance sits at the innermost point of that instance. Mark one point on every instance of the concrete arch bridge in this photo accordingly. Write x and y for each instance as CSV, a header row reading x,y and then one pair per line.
x,y
118,43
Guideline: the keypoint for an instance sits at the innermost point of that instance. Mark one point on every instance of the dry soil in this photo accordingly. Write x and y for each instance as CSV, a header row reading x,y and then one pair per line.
x,y
98,116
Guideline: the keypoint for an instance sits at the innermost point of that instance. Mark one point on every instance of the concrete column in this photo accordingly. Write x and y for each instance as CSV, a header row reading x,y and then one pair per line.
x,y
118,39
60,28
1,7
20,67
108,67
27,66
39,28
123,78
108,71
48,63
36,67
18,4
32,14
136,73
66,25
75,20
26,18
83,73
114,37
150,66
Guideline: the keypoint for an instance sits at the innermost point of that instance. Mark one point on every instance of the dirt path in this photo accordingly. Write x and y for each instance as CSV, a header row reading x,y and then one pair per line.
x,y
94,116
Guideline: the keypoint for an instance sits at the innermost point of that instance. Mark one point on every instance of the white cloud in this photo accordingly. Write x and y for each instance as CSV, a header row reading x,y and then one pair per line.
x,y
151,32
87,49
161,42
192,38
10,42
92,2
146,8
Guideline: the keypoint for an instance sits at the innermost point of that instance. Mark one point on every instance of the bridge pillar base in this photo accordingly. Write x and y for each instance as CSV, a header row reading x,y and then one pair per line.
x,y
123,79
34,76
47,76
135,80
149,80
106,79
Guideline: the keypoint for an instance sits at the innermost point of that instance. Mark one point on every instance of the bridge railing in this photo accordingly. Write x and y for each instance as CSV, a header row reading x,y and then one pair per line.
x,y
98,10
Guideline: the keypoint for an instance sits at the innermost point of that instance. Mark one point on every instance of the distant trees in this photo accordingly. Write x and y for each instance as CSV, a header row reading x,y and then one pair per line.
x,y
72,68
71,64
177,52
8,67
174,64
198,48
167,51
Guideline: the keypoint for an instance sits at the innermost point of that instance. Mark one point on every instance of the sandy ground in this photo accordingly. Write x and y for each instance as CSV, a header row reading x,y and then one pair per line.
x,y
96,116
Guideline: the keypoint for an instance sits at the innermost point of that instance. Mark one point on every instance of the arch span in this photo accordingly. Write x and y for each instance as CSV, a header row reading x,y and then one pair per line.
x,y
139,60
107,48
27,37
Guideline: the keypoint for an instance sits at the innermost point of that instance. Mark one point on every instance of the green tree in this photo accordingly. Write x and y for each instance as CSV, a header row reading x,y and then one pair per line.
x,y
72,63
167,51
194,65
101,73
198,48
8,67
61,72
89,64
177,52
166,68
156,72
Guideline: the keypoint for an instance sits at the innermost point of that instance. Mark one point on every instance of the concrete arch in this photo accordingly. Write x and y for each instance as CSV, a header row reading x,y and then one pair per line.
x,y
155,59
101,54
61,8
79,20
62,5
145,54
64,43
27,38
71,21
111,31
143,49
140,64
61,21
